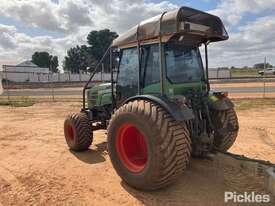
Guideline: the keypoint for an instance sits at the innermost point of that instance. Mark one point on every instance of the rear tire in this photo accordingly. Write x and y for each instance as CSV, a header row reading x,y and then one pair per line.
x,y
148,148
78,132
226,129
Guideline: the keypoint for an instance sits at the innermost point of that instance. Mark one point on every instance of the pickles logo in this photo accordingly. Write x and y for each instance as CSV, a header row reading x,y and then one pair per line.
x,y
246,197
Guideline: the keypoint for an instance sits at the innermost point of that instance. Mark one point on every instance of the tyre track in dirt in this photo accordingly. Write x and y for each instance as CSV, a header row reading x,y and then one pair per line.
x,y
265,137
11,186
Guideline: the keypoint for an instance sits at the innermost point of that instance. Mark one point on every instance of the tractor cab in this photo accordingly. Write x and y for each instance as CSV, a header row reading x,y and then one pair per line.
x,y
161,56
182,70
157,108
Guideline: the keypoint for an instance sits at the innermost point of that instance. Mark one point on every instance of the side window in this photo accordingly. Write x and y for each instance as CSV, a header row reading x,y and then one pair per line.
x,y
183,64
150,71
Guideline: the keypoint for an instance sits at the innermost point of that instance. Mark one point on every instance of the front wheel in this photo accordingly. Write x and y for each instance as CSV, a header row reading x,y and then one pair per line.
x,y
147,147
226,128
78,131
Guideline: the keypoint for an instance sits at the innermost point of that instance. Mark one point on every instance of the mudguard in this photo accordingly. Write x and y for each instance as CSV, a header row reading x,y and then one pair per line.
x,y
219,103
178,112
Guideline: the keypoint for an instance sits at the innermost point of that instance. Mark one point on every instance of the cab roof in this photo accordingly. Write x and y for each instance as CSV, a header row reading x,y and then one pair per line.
x,y
187,21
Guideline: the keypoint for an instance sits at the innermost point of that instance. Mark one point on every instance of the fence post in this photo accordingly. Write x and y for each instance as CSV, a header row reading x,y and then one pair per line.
x,y
52,83
264,76
7,82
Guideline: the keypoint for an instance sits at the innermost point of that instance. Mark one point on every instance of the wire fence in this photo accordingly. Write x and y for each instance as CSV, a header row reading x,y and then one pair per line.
x,y
38,77
21,86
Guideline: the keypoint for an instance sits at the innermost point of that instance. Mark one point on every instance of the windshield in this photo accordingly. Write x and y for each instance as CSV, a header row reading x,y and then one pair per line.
x,y
183,64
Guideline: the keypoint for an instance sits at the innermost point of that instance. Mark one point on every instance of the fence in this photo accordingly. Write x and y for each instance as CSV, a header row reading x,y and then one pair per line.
x,y
219,73
46,85
50,77
1,87
69,86
36,77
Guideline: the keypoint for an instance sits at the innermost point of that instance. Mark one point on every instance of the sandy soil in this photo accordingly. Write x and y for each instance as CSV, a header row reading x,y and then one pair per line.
x,y
36,167
242,85
251,95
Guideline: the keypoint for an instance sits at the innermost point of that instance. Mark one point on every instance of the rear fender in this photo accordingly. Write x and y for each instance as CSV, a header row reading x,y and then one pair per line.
x,y
178,112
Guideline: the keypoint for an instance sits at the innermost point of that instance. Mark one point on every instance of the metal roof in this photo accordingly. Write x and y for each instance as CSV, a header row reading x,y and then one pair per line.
x,y
27,63
183,20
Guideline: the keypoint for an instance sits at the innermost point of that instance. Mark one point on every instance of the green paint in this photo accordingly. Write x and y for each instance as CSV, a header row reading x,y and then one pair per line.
x,y
100,94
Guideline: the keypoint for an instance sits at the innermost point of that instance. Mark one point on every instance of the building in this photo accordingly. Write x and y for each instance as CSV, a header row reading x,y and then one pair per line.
x,y
25,67
25,72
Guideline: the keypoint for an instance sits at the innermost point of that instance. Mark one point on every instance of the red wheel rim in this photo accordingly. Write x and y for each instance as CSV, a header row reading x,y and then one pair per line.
x,y
69,132
131,147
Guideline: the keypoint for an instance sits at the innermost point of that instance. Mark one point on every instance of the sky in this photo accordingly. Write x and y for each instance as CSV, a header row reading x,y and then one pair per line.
x,y
55,26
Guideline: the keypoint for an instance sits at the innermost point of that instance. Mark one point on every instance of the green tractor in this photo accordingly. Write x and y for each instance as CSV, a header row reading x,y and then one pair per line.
x,y
158,108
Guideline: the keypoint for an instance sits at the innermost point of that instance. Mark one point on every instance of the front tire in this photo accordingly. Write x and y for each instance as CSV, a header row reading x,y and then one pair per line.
x,y
147,147
226,129
78,132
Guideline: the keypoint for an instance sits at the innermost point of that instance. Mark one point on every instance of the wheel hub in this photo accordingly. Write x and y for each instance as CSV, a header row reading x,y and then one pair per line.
x,y
131,147
69,132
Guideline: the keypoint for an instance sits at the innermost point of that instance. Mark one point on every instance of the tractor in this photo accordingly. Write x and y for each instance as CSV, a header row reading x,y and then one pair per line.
x,y
158,108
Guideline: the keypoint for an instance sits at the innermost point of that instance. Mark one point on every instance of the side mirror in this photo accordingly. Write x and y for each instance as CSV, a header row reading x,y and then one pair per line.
x,y
116,57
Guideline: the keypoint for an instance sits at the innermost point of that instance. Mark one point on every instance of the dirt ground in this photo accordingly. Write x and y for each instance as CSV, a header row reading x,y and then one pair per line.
x,y
36,167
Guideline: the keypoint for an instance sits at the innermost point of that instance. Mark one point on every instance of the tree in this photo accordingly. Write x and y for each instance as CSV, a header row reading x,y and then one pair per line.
x,y
45,60
99,41
79,58
54,64
76,59
41,59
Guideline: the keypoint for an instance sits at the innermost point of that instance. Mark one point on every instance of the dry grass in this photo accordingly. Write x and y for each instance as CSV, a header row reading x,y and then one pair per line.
x,y
18,102
252,103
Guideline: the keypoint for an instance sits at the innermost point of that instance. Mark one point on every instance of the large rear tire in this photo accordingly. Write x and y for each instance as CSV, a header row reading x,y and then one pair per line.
x,y
226,129
147,147
78,132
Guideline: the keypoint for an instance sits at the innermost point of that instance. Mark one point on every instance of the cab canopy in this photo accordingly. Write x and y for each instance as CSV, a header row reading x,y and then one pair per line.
x,y
187,21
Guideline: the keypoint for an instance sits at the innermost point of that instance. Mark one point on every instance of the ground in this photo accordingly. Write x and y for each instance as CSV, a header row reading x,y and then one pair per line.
x,y
36,167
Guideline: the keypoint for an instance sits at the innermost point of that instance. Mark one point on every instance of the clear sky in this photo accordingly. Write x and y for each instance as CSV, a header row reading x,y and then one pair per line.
x,y
57,25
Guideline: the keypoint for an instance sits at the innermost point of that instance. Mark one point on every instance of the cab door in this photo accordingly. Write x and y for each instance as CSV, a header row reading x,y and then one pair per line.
x,y
127,79
150,69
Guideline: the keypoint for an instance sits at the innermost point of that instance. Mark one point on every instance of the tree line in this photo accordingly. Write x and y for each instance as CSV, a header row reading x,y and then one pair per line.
x,y
81,58
45,60
85,57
